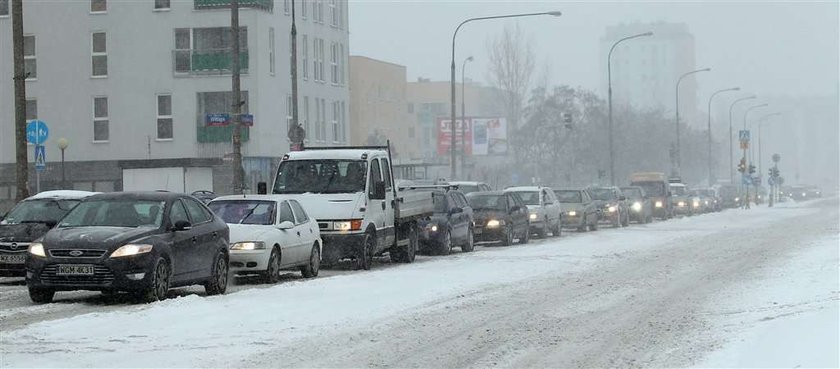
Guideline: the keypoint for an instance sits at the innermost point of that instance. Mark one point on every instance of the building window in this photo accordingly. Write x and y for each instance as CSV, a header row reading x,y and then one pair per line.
x,y
208,50
30,66
99,55
4,8
100,119
334,63
303,9
220,102
315,11
335,116
343,123
305,56
288,111
164,117
271,50
286,7
162,4
31,109
321,11
324,120
341,64
321,60
98,6
333,14
340,14
306,115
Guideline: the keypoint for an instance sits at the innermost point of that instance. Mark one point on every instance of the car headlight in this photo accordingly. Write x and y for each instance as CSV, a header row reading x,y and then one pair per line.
x,y
572,213
131,250
737,199
493,223
637,206
658,204
433,228
612,209
251,245
533,216
803,194
696,204
681,204
37,249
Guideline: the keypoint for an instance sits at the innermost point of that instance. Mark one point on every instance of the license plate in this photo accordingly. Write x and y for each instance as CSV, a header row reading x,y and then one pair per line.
x,y
477,231
13,259
73,269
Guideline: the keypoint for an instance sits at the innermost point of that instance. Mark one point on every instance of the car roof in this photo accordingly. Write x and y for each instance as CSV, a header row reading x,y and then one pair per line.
x,y
139,195
524,188
255,197
487,193
62,194
338,154
566,189
465,183
677,184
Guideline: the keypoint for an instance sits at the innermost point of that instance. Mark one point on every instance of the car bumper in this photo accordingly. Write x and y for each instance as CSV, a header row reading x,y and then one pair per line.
x,y
341,246
682,210
576,221
610,217
125,274
485,234
243,261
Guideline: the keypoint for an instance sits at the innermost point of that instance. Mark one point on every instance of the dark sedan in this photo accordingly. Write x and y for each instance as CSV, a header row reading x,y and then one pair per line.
x,y
500,216
450,225
143,243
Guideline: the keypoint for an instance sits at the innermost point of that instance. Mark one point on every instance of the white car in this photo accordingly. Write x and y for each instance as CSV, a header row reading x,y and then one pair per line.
x,y
543,209
269,233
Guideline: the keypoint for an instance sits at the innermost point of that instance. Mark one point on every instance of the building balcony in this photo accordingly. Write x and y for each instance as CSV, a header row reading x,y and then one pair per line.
x,y
267,5
207,62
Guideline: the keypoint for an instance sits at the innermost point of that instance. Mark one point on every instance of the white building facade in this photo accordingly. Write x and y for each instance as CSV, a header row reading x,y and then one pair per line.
x,y
136,87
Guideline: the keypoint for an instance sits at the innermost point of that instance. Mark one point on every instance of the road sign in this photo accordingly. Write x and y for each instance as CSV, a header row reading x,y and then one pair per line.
x,y
40,158
744,135
746,179
37,132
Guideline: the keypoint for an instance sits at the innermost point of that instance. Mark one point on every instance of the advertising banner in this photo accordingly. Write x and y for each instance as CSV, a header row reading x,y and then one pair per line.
x,y
489,136
444,135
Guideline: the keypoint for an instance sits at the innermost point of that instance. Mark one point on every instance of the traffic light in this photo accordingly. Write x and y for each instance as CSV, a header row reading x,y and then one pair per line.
x,y
770,172
742,166
752,169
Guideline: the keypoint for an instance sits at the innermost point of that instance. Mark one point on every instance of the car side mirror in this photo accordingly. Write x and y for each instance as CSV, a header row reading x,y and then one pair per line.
x,y
285,225
456,210
182,225
379,191
262,188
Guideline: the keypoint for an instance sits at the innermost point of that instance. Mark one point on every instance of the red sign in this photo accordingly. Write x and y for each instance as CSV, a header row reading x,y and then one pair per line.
x,y
463,133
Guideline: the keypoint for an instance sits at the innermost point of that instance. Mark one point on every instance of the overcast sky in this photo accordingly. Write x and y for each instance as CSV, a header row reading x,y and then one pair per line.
x,y
769,48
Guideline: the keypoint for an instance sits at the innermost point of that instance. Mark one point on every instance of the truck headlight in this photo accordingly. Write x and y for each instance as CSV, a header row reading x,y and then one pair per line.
x,y
348,225
572,213
250,245
493,223
131,250
658,204
533,216
637,206
37,249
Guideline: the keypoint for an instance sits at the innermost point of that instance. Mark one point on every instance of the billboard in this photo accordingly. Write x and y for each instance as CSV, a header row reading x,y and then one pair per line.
x,y
483,136
444,135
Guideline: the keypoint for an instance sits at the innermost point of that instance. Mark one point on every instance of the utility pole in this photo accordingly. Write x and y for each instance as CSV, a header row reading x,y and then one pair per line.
x,y
296,133
237,98
21,161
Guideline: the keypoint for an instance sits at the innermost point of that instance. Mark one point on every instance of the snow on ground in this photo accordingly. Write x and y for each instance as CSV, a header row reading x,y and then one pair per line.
x,y
788,316
223,330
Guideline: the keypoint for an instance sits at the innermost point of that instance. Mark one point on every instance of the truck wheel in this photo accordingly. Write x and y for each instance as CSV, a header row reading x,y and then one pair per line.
x,y
507,239
469,246
364,257
406,254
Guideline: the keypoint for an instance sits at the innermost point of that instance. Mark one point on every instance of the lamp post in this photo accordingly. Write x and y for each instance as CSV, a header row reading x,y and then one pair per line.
x,y
761,121
731,147
709,126
746,113
679,159
609,98
452,151
464,117
62,145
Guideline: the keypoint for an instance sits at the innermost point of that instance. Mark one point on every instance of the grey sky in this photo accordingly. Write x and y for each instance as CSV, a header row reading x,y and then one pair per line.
x,y
769,48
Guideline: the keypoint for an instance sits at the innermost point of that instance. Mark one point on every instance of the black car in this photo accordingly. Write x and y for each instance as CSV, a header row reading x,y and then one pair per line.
x,y
143,243
499,216
29,220
450,225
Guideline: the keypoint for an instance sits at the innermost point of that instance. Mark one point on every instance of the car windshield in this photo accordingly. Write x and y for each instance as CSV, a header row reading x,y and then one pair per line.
x,y
244,211
441,205
529,197
465,189
632,192
605,194
487,202
321,176
41,210
115,213
652,188
678,190
568,196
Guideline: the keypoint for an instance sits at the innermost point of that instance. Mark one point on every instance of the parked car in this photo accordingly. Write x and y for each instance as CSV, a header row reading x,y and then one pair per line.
x,y
640,206
543,209
579,211
500,216
29,220
614,209
141,242
269,233
450,225
469,187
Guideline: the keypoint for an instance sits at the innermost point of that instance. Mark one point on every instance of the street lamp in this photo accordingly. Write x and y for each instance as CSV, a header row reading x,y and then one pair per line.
x,y
709,128
452,72
679,159
731,147
609,98
463,116
63,143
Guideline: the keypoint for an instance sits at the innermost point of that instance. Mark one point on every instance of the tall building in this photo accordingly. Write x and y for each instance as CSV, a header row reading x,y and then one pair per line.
x,y
141,89
645,70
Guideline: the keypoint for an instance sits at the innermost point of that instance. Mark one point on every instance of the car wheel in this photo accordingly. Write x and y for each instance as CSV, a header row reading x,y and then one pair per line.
x,y
543,232
445,246
526,236
594,226
626,221
408,253
217,284
160,282
311,269
507,239
365,255
557,231
41,295
272,271
469,246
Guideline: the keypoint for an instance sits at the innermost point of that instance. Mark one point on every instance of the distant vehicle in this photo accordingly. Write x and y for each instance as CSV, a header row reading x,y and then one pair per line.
x,y
450,225
29,220
204,195
701,203
613,206
813,192
500,216
684,202
798,193
715,202
269,233
351,193
730,196
468,187
141,242
579,211
543,207
656,188
641,208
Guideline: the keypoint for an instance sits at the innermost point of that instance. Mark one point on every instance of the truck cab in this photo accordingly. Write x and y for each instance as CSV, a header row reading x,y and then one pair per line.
x,y
655,185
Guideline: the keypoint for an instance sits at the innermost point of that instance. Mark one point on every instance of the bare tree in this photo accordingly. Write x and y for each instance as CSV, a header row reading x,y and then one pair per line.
x,y
511,58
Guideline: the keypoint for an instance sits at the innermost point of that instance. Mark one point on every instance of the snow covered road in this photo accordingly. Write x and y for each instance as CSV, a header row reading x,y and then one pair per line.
x,y
692,291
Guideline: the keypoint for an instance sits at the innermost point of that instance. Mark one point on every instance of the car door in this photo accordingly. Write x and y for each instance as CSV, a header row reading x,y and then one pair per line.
x,y
184,260
303,226
551,207
589,211
205,234
466,214
390,232
376,204
292,254
457,219
519,217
